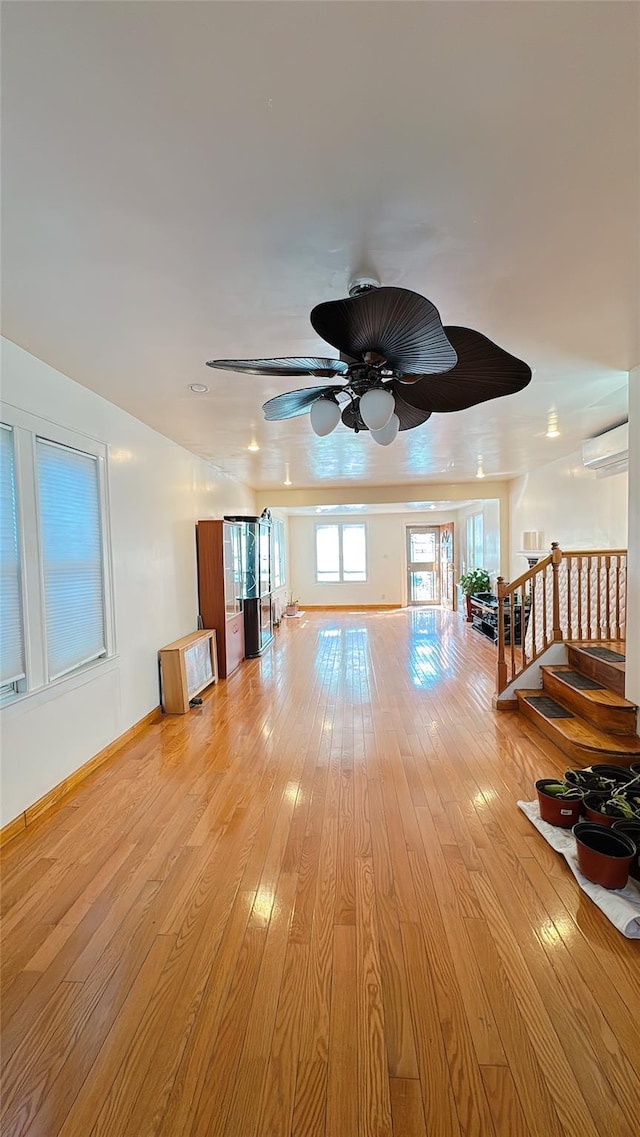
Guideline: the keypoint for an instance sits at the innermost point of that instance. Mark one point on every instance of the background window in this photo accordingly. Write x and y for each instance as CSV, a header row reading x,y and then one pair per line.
x,y
341,553
475,541
278,551
71,544
12,668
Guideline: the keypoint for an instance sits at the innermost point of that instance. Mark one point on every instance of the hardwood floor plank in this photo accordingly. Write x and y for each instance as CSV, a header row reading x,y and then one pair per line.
x,y
406,1108
102,1073
373,1079
565,1083
278,1092
522,1055
251,1072
182,1106
30,1076
437,1092
311,908
345,909
342,1098
504,1103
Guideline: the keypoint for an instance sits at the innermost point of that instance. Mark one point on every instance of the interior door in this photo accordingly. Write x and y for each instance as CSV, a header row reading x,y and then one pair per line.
x,y
423,564
447,568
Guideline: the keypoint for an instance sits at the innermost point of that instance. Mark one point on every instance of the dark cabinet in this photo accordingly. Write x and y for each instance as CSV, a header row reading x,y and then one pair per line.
x,y
255,558
484,617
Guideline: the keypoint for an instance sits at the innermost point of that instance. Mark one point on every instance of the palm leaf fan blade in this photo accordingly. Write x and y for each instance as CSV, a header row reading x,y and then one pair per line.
x,y
317,366
295,403
484,371
401,326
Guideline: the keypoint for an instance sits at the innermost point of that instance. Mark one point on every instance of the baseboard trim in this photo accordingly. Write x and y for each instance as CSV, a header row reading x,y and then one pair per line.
x,y
55,795
505,704
351,607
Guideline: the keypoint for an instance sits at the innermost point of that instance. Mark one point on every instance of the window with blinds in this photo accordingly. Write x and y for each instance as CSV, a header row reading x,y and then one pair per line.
x,y
12,635
71,550
341,553
278,575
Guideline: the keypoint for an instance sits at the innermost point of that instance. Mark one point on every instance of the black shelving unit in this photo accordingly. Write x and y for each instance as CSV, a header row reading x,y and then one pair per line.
x,y
484,617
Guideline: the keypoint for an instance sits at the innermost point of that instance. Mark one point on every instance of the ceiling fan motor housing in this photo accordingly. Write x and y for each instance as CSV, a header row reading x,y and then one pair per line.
x,y
363,284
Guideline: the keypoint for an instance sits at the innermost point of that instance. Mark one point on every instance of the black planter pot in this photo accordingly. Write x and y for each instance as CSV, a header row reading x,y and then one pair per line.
x,y
604,856
616,774
591,803
632,830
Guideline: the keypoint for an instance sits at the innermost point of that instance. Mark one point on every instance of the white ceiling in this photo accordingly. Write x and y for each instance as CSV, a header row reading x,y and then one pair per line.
x,y
183,181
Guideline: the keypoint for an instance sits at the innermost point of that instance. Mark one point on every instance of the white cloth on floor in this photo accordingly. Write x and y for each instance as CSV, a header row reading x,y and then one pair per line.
x,y
621,907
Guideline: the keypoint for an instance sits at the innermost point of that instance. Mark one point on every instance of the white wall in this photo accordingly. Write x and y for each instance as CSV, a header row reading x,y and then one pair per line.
x,y
633,567
570,505
157,492
386,558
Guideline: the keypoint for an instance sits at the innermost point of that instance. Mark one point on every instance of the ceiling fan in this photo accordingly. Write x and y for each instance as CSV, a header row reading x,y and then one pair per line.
x,y
397,365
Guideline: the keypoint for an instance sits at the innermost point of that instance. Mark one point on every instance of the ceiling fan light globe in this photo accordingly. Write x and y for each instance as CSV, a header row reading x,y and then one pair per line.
x,y
325,416
377,407
388,433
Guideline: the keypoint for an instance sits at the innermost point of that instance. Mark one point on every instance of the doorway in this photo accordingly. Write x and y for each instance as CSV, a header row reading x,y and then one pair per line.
x,y
423,564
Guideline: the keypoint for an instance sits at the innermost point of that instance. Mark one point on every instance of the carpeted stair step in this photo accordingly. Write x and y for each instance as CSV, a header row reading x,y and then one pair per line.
x,y
579,739
590,699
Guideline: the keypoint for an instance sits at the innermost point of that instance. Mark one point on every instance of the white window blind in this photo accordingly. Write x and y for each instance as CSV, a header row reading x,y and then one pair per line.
x,y
12,634
327,553
278,551
475,541
70,534
341,553
354,552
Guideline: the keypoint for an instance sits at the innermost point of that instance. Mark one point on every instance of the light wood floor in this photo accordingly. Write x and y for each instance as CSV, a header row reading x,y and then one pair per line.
x,y
311,907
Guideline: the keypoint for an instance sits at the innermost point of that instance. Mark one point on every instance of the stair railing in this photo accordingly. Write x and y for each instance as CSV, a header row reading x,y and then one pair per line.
x,y
567,596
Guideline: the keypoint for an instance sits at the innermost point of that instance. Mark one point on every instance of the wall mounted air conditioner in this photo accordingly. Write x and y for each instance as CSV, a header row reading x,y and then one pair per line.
x,y
608,453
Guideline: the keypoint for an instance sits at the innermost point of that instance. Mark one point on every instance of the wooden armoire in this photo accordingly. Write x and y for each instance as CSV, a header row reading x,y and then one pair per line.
x,y
220,589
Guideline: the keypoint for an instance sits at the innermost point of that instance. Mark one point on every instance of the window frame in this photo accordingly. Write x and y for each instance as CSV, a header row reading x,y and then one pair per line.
x,y
278,554
474,522
341,525
26,429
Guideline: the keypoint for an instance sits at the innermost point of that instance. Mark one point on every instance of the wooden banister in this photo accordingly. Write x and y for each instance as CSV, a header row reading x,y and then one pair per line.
x,y
566,596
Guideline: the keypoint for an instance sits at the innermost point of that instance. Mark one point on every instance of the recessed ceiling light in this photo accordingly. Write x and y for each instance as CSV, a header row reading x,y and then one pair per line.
x,y
253,447
552,425
198,388
432,507
288,482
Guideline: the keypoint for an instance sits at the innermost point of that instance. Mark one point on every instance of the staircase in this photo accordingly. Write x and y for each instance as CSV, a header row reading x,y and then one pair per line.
x,y
581,705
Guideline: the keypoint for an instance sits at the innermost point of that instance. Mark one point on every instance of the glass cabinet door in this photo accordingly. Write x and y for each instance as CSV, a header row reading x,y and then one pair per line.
x,y
265,559
250,556
232,570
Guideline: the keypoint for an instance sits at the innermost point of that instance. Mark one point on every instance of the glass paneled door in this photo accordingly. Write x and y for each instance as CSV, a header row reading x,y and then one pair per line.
x,y
423,564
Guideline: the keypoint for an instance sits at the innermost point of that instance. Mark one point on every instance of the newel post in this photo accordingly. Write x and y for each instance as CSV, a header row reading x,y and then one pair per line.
x,y
502,663
556,558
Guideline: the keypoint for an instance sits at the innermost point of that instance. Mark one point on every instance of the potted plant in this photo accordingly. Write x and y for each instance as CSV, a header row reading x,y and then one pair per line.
x,y
292,604
559,802
472,582
622,804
